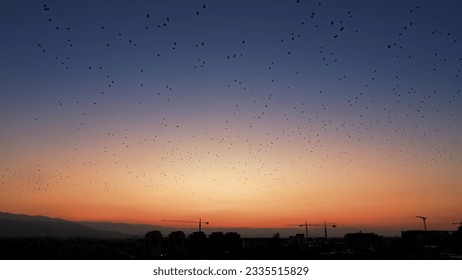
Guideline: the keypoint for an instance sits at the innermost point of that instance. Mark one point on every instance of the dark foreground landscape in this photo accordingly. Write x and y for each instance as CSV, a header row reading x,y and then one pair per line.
x,y
40,238
433,245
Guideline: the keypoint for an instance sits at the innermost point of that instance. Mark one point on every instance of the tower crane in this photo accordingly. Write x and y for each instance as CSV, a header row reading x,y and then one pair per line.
x,y
306,225
303,225
306,228
325,228
189,222
423,219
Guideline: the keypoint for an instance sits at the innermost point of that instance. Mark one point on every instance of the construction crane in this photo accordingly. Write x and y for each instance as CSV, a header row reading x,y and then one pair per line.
x,y
306,228
424,223
303,225
325,228
306,225
189,222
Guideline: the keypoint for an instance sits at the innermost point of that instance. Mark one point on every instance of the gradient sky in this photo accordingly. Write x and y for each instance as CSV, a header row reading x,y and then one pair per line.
x,y
244,113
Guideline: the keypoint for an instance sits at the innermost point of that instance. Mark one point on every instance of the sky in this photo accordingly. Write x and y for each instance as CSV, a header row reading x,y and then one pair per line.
x,y
242,113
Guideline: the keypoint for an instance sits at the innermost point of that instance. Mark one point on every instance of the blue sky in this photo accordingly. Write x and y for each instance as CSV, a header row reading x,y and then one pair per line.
x,y
262,98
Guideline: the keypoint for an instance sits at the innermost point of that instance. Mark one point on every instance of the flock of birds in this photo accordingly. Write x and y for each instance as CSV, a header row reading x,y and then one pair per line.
x,y
264,108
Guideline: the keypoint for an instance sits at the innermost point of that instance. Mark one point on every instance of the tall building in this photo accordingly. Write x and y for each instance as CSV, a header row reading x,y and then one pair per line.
x,y
197,243
216,242
233,242
360,242
429,244
176,243
297,240
153,244
420,238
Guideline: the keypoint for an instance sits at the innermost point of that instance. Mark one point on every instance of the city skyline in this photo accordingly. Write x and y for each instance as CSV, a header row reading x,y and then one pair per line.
x,y
244,113
39,237
315,229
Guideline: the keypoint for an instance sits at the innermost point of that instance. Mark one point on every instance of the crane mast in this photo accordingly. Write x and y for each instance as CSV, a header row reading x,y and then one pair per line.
x,y
306,228
325,228
190,222
306,225
423,219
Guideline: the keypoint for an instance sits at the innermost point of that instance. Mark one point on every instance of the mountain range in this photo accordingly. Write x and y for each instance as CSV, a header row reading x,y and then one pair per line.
x,y
19,225
16,225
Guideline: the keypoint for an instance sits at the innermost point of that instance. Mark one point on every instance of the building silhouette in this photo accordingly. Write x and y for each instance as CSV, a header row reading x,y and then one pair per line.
x,y
176,243
153,244
413,244
197,243
456,241
216,242
422,238
297,240
233,243
360,242
426,244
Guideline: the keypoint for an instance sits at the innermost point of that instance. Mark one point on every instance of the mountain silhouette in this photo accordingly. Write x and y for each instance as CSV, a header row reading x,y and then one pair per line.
x,y
13,225
129,229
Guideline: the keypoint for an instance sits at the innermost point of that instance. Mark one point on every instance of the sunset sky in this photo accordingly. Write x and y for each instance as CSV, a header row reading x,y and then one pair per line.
x,y
243,113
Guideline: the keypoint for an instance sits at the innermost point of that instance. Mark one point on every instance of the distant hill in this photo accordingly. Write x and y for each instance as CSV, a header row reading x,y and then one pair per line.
x,y
25,225
14,225
130,229
142,229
